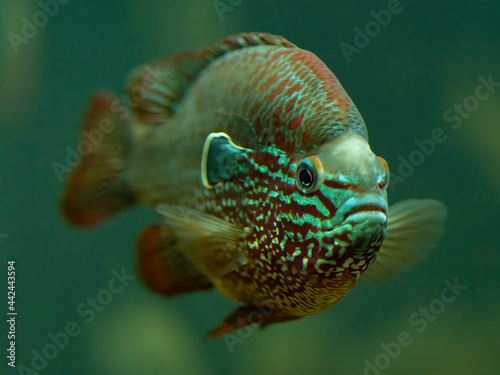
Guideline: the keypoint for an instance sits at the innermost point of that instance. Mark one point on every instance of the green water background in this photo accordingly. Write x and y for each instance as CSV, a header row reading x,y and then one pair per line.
x,y
430,56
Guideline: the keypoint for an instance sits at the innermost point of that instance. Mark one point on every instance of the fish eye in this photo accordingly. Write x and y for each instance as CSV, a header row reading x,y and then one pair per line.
x,y
309,175
305,177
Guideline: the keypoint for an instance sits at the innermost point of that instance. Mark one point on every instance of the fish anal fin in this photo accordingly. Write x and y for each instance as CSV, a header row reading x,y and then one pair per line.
x,y
162,267
96,188
244,316
414,227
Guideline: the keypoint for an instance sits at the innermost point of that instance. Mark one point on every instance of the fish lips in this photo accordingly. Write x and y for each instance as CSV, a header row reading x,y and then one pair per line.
x,y
367,211
369,217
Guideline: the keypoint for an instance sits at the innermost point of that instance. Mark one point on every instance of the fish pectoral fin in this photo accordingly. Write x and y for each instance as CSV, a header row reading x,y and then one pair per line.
x,y
244,316
414,227
212,245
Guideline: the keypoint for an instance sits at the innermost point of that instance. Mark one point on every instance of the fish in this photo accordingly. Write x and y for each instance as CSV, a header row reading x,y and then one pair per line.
x,y
258,165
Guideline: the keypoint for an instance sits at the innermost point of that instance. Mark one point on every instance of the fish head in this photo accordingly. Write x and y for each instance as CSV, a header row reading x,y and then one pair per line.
x,y
347,184
315,209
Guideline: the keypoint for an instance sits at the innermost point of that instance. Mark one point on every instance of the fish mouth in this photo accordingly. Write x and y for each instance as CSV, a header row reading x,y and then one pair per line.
x,y
369,213
370,210
365,208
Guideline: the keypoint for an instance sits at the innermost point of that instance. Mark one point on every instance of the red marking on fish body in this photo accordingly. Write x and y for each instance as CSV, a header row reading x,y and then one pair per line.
x,y
278,54
295,88
263,158
295,123
305,138
271,80
277,116
283,144
260,77
278,90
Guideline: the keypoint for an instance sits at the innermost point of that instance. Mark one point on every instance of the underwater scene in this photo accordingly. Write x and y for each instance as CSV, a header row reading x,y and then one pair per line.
x,y
250,187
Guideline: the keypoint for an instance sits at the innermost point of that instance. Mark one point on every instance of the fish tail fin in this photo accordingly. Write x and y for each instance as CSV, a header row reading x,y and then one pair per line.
x,y
96,187
163,267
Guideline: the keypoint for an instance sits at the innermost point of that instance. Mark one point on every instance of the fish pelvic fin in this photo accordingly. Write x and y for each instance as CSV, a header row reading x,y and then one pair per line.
x,y
155,89
213,246
161,265
414,227
245,316
96,188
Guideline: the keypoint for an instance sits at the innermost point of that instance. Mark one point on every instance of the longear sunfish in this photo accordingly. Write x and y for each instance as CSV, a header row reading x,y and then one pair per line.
x,y
259,164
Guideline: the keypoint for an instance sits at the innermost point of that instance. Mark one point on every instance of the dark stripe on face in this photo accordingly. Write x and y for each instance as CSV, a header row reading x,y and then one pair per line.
x,y
329,205
338,185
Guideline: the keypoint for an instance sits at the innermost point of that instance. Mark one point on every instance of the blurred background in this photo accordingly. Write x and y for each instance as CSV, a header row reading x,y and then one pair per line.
x,y
408,76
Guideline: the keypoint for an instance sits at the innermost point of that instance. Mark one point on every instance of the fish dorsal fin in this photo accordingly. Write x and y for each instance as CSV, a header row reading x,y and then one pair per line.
x,y
212,245
414,227
155,89
220,160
